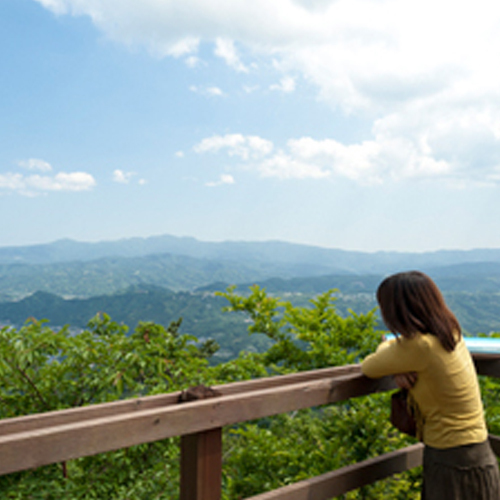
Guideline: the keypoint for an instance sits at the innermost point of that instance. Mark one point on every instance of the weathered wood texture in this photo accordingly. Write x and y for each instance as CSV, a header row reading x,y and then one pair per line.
x,y
486,364
56,443
72,415
340,481
201,466
36,440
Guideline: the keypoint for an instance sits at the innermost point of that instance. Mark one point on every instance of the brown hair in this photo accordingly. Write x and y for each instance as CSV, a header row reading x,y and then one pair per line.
x,y
411,302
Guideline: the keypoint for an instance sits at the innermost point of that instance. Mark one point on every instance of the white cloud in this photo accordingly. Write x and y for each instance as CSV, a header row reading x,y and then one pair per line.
x,y
183,47
423,71
11,181
209,91
223,179
214,91
35,164
179,154
192,61
30,185
225,49
369,162
73,181
227,179
122,177
356,162
245,147
249,89
287,85
57,6
284,166
314,4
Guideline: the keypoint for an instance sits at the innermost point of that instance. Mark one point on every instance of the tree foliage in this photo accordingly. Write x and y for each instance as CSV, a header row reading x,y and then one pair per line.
x,y
306,338
42,369
287,448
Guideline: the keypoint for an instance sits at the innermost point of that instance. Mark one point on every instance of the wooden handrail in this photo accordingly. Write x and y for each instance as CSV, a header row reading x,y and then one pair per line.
x,y
487,364
340,481
35,440
351,477
56,443
72,415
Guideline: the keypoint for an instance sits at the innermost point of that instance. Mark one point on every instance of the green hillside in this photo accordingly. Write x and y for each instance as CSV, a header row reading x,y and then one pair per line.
x,y
112,274
203,316
43,370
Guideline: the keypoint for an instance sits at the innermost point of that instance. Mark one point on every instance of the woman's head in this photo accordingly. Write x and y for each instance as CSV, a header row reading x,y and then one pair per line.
x,y
411,302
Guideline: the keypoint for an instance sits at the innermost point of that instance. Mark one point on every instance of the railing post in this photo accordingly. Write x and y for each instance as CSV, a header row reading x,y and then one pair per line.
x,y
201,465
201,455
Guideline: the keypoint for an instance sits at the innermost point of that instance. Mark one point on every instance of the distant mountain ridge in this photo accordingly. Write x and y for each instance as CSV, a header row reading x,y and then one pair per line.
x,y
111,274
320,260
201,314
165,277
202,310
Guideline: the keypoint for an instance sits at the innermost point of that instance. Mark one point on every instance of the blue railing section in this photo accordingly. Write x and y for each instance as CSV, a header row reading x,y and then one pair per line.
x,y
476,345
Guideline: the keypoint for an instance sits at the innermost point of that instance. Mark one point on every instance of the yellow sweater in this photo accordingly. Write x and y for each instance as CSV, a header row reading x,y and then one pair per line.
x,y
446,392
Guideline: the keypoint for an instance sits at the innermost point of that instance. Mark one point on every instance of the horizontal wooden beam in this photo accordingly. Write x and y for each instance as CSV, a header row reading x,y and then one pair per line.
x,y
340,481
29,449
34,440
487,364
72,415
40,421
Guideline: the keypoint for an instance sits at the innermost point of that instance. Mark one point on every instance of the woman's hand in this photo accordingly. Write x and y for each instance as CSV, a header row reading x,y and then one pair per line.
x,y
405,380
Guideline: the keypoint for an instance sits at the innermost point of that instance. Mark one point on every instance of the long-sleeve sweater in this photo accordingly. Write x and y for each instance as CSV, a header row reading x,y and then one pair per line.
x,y
446,392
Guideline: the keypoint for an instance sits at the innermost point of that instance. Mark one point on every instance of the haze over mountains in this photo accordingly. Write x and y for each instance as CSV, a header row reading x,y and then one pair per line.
x,y
76,269
163,278
316,260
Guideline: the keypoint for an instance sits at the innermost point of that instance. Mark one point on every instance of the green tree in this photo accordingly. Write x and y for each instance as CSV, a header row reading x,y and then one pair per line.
x,y
42,370
308,337
284,449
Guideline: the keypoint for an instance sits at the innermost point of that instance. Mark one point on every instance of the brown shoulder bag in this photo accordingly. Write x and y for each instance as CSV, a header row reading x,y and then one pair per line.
x,y
401,414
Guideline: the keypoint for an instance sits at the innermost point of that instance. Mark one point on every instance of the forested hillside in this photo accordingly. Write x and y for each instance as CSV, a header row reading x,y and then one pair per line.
x,y
73,269
202,315
41,370
113,274
280,267
175,323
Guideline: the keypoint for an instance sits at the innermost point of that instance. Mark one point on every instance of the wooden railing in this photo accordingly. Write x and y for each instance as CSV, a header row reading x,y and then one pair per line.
x,y
36,440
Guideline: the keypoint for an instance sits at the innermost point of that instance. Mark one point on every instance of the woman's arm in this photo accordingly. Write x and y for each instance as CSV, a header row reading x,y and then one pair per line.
x,y
398,356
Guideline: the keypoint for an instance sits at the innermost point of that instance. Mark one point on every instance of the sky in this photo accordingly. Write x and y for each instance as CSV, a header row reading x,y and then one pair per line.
x,y
356,124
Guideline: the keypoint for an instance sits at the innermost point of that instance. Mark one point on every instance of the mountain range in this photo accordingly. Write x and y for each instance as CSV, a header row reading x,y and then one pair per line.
x,y
311,259
163,278
78,269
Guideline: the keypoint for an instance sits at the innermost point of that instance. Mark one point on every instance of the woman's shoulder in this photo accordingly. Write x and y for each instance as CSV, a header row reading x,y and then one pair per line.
x,y
426,342
419,341
397,355
417,345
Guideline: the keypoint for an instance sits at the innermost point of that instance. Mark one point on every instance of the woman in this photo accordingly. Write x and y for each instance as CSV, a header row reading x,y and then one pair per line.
x,y
430,358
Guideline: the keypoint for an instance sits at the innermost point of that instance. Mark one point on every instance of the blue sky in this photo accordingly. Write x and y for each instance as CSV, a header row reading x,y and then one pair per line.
x,y
354,124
